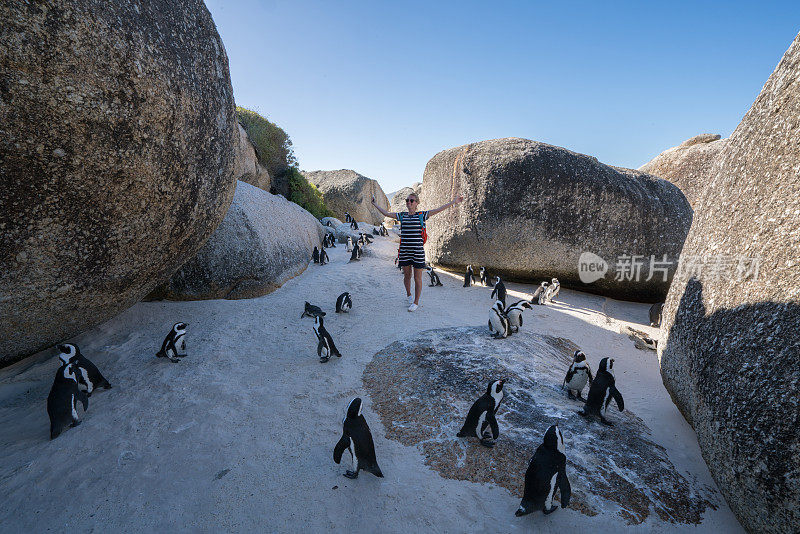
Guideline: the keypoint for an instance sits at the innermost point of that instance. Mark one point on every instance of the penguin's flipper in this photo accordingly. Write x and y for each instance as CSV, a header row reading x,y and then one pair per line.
x,y
492,420
563,482
340,447
551,510
84,398
524,509
618,398
606,421
375,470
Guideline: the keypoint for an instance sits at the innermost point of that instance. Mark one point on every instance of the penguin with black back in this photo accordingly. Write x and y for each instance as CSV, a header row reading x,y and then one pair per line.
x,y
469,278
655,314
514,314
578,374
481,419
344,303
325,345
315,255
357,440
174,345
354,224
546,473
375,231
498,321
499,290
602,390
323,257
435,281
356,254
312,311
483,278
89,376
62,401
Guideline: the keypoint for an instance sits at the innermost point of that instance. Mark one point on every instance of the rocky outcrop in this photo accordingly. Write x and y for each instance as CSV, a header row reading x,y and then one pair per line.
x,y
730,320
347,191
422,387
247,167
117,149
342,230
688,165
263,241
534,211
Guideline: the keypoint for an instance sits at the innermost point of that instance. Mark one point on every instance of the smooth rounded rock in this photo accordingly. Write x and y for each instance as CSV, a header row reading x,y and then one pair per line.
x,y
348,191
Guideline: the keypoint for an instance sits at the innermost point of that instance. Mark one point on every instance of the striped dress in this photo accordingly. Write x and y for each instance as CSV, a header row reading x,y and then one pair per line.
x,y
411,238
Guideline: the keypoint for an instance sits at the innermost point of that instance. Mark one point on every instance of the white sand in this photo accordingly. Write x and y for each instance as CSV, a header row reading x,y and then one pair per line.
x,y
239,436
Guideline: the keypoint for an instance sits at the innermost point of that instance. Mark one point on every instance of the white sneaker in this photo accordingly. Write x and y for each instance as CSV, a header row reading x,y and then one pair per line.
x,y
413,307
410,299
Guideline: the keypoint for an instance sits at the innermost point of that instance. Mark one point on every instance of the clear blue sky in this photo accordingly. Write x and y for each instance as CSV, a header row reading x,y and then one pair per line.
x,y
380,87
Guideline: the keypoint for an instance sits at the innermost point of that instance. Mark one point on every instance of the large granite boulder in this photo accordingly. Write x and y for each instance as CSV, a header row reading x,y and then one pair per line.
x,y
347,191
534,211
688,165
397,202
116,157
730,359
247,167
263,241
423,385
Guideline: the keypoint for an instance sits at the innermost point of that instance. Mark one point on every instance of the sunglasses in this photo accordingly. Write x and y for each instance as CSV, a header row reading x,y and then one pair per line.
x,y
411,200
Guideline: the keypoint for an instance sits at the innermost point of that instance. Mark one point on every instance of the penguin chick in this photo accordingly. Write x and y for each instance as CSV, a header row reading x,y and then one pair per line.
x,y
546,473
481,416
357,439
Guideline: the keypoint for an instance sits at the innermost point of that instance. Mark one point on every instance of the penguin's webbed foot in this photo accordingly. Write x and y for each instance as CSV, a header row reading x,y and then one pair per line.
x,y
487,443
606,421
550,511
75,423
351,474
174,360
521,511
324,359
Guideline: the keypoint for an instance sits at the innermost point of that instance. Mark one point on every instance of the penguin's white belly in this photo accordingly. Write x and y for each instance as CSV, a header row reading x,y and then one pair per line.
x,y
579,380
497,324
513,317
480,425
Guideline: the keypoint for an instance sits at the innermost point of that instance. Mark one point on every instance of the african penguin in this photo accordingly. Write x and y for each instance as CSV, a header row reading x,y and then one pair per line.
x,y
357,440
484,280
546,473
553,289
602,390
577,375
655,314
344,303
174,345
498,322
349,246
323,257
368,238
325,346
481,421
89,376
469,279
499,290
514,314
354,224
542,293
315,255
312,311
375,231
62,402
347,217
356,254
435,281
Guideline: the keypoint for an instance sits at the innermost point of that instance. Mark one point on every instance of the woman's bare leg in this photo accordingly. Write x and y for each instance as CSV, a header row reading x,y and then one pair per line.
x,y
417,285
407,278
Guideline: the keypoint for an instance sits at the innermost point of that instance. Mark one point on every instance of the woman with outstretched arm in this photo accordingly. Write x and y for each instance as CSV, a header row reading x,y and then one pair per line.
x,y
411,254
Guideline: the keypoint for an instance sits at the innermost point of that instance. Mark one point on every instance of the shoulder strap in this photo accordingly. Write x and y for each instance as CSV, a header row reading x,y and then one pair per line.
x,y
422,218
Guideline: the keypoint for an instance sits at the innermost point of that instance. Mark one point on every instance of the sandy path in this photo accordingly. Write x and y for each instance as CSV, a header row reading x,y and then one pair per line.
x,y
239,436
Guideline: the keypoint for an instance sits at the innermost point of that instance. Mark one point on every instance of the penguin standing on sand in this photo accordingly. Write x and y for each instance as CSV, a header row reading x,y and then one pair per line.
x,y
536,294
315,255
349,246
434,278
312,311
514,314
655,314
469,278
481,421
553,289
89,376
62,402
332,241
484,280
602,390
577,375
498,322
375,231
356,254
323,257
325,346
354,224
344,303
499,290
546,473
357,440
541,294
347,217
174,345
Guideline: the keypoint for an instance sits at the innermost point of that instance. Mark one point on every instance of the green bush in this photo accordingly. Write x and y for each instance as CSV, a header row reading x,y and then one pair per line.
x,y
272,144
306,194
